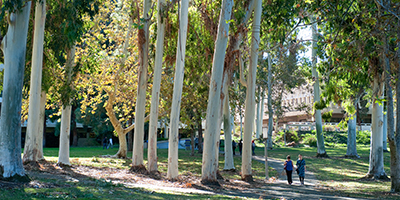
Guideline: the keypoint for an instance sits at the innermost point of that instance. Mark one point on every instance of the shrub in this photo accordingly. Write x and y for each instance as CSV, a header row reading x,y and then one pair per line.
x,y
291,136
310,139
363,137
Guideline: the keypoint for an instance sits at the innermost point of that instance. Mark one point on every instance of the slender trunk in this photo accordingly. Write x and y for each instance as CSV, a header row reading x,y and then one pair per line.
x,y
250,92
258,109
262,112
266,159
33,150
14,50
152,147
74,129
394,137
140,108
318,118
210,160
177,95
351,137
227,128
65,129
123,149
192,140
385,130
200,130
130,137
376,169
270,109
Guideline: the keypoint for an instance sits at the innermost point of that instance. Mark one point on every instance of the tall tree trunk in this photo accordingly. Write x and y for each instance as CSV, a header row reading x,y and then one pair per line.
x,y
14,50
376,169
65,129
270,109
152,147
318,118
351,137
33,150
227,127
250,92
192,132
177,95
258,109
140,108
394,137
210,161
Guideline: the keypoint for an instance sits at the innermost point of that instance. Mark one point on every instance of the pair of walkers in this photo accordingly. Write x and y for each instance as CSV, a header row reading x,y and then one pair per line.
x,y
300,169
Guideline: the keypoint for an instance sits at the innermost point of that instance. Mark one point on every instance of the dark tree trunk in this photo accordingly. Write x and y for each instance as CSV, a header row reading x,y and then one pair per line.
x,y
130,137
192,140
200,136
74,129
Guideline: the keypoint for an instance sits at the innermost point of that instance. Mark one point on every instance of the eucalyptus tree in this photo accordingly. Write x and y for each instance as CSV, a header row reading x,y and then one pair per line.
x,y
33,150
13,46
109,78
173,172
152,147
212,131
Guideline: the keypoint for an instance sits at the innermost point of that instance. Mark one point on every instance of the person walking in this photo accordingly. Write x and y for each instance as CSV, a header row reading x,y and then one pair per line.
x,y
288,166
110,143
301,168
253,147
233,146
105,142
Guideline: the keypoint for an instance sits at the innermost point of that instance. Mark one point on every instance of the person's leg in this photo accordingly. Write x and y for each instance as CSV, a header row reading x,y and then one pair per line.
x,y
289,177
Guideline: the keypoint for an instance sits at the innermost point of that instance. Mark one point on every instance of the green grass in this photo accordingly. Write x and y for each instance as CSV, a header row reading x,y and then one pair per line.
x,y
337,173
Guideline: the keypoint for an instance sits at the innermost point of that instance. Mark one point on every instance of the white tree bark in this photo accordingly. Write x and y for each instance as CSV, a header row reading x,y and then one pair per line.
x,y
262,112
177,95
14,50
42,117
152,147
65,129
376,169
210,164
250,92
318,118
227,127
33,150
351,137
140,108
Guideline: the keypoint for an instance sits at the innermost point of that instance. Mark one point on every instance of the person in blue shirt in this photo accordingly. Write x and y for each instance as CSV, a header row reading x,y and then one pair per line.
x,y
288,166
301,168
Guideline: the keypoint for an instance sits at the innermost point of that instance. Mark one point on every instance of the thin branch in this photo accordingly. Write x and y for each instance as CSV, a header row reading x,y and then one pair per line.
x,y
387,9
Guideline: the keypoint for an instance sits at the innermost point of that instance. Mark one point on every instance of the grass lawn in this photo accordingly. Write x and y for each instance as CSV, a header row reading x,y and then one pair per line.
x,y
337,174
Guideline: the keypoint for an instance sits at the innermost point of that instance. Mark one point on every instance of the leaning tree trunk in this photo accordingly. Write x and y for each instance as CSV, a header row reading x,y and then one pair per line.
x,y
140,108
14,50
229,165
262,112
210,164
250,92
33,150
65,129
177,95
318,118
270,109
376,168
152,147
